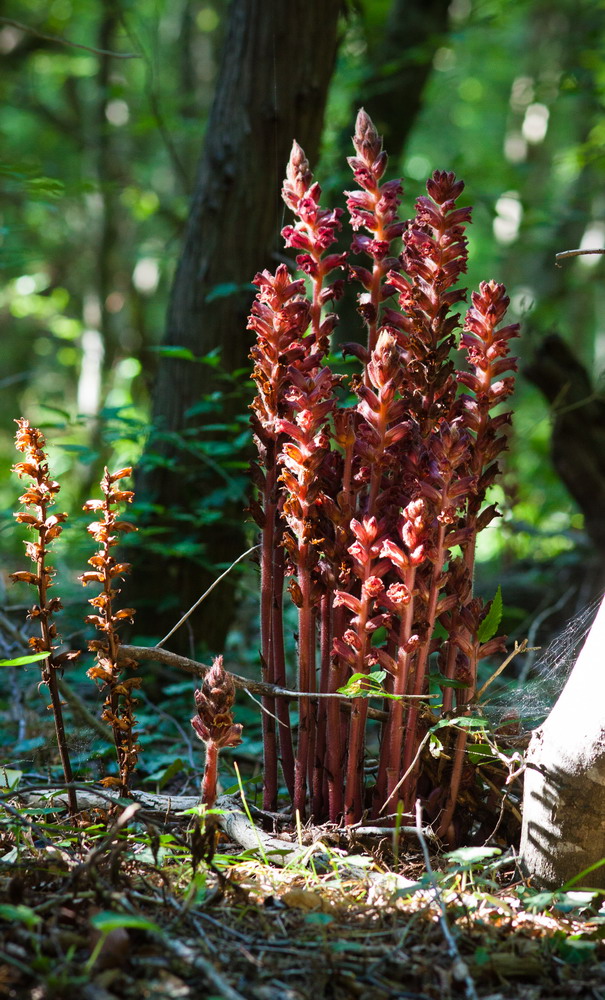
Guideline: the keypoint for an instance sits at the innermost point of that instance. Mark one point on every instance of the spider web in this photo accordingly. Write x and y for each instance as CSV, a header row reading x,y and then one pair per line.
x,y
542,678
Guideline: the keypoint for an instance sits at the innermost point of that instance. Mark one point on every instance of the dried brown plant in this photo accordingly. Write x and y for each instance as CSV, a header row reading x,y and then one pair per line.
x,y
110,669
39,497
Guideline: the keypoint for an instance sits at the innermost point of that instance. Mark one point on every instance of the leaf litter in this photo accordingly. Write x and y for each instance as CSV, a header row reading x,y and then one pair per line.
x,y
160,906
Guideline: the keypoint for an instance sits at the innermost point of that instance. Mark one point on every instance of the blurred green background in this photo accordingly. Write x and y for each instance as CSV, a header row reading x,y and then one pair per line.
x,y
98,164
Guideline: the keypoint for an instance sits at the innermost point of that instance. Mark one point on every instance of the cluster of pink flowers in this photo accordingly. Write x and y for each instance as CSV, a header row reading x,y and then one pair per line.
x,y
371,509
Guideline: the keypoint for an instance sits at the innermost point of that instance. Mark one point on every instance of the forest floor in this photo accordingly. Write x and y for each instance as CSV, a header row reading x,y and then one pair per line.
x,y
120,905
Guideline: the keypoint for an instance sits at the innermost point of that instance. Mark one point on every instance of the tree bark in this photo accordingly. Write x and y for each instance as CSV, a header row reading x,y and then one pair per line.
x,y
564,798
277,64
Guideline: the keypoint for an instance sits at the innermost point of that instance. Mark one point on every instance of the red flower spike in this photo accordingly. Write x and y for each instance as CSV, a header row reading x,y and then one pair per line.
x,y
375,209
213,723
336,479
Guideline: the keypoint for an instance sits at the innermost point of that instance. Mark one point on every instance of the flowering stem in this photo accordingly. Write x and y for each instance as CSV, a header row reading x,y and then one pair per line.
x,y
267,634
400,685
320,771
306,682
40,497
279,665
210,779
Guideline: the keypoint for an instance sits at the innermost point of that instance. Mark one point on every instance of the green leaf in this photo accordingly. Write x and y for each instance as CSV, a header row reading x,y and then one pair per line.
x,y
463,721
362,685
164,774
19,661
321,919
490,624
482,956
19,914
540,901
568,901
175,352
445,682
9,778
227,288
577,951
480,753
472,855
107,921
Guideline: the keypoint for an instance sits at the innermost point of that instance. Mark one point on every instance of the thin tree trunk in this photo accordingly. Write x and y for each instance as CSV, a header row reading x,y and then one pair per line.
x,y
401,62
276,68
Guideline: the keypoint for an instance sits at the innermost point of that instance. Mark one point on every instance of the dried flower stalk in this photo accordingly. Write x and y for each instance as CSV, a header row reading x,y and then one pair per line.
x,y
39,497
118,709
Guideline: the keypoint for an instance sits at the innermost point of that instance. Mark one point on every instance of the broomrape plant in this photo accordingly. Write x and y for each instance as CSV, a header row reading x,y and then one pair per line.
x,y
39,498
118,710
370,492
371,508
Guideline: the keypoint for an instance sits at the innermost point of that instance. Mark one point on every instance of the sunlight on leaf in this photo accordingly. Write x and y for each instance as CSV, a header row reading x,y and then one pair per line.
x,y
489,625
107,921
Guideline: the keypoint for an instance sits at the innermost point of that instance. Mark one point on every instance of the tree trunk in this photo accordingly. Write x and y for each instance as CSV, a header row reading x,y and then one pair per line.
x,y
578,433
564,799
276,68
401,62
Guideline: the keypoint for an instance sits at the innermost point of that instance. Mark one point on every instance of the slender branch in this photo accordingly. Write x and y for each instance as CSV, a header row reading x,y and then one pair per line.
x,y
205,595
460,969
520,647
576,253
202,965
197,669
65,41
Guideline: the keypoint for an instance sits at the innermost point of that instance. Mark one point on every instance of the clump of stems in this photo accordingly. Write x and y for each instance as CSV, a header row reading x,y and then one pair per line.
x,y
39,498
110,669
213,723
372,508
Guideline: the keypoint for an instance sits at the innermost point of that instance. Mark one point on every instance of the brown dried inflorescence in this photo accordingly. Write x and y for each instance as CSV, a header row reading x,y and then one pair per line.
x,y
39,497
109,669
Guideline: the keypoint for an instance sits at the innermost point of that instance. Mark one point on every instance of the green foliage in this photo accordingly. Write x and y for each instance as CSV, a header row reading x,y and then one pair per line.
x,y
79,154
491,623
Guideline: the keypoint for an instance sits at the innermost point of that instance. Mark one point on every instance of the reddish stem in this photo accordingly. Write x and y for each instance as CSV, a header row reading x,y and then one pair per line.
x,y
321,759
209,781
266,622
282,705
400,685
306,683
353,803
49,674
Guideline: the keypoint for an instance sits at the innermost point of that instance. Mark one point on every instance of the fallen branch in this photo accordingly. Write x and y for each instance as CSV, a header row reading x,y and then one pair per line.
x,y
460,970
195,961
197,669
229,817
